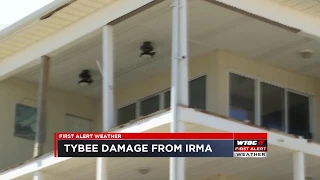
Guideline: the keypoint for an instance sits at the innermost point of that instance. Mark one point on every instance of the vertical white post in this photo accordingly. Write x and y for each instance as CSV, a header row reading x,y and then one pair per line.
x,y
108,77
108,120
298,166
179,78
183,55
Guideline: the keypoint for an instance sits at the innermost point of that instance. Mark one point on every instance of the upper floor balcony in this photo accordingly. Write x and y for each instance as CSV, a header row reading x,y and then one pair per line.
x,y
241,68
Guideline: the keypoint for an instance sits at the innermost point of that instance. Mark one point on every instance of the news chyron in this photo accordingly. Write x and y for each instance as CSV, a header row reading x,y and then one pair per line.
x,y
245,145
250,148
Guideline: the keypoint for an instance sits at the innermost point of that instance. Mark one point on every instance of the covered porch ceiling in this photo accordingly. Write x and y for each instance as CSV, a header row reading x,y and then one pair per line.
x,y
278,166
211,27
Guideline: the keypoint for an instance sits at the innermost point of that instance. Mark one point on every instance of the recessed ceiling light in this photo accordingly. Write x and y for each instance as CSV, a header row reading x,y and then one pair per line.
x,y
143,171
306,54
309,178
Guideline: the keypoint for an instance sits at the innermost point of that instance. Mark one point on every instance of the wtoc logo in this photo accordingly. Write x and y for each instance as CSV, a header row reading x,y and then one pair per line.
x,y
250,143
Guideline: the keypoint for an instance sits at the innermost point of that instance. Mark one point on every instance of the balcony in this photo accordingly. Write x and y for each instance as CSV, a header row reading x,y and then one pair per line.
x,y
244,75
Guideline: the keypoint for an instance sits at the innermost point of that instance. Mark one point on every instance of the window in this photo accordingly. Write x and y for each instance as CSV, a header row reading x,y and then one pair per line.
x,y
272,107
242,102
167,97
25,122
279,108
150,105
197,95
77,124
127,114
298,114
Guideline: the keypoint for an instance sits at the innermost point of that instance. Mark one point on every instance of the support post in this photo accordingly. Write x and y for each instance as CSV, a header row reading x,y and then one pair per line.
x,y
179,78
42,110
42,106
108,120
298,166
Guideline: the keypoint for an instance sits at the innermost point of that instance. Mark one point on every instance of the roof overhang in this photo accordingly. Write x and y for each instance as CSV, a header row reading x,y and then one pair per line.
x,y
29,56
32,18
195,121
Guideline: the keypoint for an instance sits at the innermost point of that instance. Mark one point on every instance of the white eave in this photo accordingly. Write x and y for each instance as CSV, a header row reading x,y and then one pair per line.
x,y
31,19
31,29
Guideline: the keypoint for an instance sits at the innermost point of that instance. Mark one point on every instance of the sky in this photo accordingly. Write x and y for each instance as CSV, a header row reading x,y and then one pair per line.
x,y
13,10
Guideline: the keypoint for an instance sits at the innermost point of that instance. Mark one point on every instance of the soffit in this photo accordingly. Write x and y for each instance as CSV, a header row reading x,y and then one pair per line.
x,y
311,7
41,29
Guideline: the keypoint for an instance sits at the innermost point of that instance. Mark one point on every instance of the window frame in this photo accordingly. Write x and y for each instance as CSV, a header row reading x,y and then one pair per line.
x,y
257,97
161,94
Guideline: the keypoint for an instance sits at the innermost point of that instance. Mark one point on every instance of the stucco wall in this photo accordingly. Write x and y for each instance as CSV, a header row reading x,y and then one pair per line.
x,y
14,150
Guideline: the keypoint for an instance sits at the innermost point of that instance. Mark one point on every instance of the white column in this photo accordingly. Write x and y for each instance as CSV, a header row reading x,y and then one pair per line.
x,y
298,166
108,120
179,78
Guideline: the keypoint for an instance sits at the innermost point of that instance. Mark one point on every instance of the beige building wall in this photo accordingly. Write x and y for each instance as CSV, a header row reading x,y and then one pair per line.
x,y
229,62
14,150
215,65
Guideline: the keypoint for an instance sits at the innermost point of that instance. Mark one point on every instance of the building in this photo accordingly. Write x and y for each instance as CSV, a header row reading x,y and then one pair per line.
x,y
250,69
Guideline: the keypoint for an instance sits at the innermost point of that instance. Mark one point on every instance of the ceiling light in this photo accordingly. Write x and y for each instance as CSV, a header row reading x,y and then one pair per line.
x,y
306,54
143,171
147,50
85,78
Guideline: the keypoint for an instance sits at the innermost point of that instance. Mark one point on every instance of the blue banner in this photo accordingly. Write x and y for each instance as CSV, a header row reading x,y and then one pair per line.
x,y
145,148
